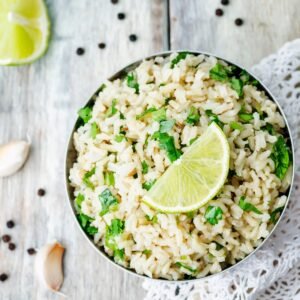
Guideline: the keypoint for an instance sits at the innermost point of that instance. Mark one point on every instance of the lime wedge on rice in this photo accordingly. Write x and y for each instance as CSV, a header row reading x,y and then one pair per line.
x,y
196,177
24,31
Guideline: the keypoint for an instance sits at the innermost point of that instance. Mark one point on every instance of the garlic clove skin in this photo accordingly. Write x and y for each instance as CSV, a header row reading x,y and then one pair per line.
x,y
13,156
48,266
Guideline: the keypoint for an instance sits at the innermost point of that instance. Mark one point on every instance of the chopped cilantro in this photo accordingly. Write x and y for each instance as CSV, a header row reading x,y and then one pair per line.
x,y
219,73
182,265
119,254
119,138
162,84
145,167
213,214
94,130
281,157
109,178
247,206
133,83
214,118
112,109
191,214
85,222
146,112
218,246
153,219
269,128
237,85
159,115
122,117
148,184
85,114
107,200
245,117
275,214
166,126
166,142
193,116
79,199
236,126
116,227
147,252
86,178
180,56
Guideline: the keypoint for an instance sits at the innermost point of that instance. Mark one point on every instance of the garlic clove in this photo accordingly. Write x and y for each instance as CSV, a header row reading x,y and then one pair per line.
x,y
12,157
48,266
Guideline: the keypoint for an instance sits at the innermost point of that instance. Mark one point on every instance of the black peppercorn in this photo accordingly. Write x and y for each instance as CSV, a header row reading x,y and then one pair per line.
x,y
224,2
31,251
3,277
219,12
6,238
121,16
41,192
133,37
11,246
239,22
10,224
101,45
80,51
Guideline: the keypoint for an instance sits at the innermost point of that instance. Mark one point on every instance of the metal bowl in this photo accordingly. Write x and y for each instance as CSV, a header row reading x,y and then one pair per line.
x,y
71,156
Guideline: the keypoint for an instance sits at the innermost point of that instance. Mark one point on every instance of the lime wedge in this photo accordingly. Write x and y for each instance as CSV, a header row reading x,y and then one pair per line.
x,y
196,177
24,31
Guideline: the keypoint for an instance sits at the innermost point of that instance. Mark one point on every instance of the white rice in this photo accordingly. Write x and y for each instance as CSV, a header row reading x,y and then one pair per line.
x,y
155,247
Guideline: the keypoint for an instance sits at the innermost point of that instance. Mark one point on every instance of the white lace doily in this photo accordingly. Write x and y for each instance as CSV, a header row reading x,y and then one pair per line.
x,y
273,272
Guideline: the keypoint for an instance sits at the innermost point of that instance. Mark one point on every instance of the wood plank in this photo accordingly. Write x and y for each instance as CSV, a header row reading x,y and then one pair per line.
x,y
268,25
41,100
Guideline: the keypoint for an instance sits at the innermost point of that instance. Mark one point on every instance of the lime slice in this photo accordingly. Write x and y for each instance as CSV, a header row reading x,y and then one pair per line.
x,y
196,177
24,31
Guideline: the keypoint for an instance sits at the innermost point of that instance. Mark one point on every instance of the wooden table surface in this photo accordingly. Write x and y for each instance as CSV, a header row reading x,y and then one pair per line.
x,y
41,100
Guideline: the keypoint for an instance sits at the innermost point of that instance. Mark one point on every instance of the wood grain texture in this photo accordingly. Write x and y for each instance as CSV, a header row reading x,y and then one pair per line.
x,y
268,25
41,101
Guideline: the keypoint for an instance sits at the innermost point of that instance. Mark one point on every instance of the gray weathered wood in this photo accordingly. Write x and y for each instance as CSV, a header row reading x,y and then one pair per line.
x,y
268,25
41,100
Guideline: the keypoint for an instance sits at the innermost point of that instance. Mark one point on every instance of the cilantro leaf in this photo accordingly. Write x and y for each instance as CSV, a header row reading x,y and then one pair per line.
x,y
219,73
281,157
112,109
166,142
213,214
119,138
166,126
193,116
107,200
275,214
247,206
119,254
148,184
109,178
116,227
236,126
78,200
269,128
244,116
85,222
146,112
86,178
94,130
193,140
182,265
218,246
85,114
214,118
237,85
133,83
145,167
147,252
153,219
180,56
159,115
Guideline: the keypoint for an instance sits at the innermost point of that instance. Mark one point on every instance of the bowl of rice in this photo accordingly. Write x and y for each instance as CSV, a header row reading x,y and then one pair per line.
x,y
138,125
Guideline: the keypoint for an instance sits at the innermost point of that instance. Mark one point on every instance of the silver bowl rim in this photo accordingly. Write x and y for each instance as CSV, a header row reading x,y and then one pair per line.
x,y
70,147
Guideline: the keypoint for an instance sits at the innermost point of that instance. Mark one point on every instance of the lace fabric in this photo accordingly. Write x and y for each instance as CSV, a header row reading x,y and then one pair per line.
x,y
273,272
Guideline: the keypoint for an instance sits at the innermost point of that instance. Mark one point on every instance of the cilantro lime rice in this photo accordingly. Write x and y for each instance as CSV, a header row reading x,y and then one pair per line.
x,y
139,125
